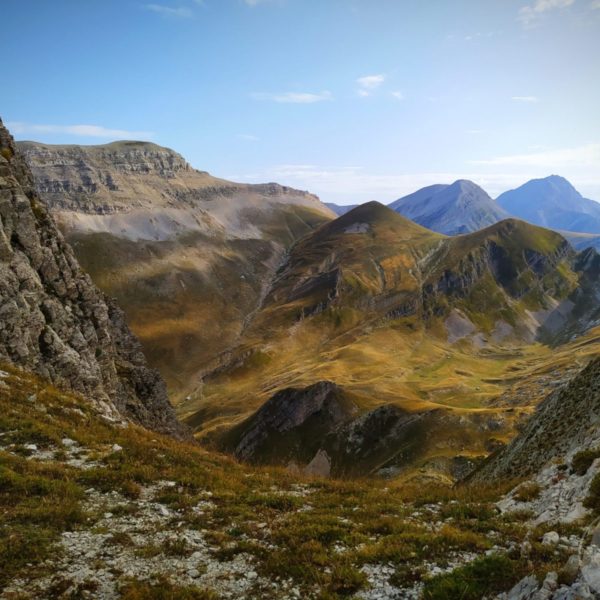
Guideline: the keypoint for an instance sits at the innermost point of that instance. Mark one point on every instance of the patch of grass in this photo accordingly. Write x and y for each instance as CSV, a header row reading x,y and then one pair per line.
x,y
583,460
483,576
593,498
119,538
176,547
527,492
163,589
6,152
346,580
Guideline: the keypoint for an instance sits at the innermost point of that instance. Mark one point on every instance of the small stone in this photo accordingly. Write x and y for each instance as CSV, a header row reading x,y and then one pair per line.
x,y
551,538
571,569
116,448
31,447
251,575
68,442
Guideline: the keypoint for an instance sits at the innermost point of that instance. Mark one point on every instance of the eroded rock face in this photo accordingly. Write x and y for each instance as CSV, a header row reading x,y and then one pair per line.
x,y
289,424
320,430
54,321
568,420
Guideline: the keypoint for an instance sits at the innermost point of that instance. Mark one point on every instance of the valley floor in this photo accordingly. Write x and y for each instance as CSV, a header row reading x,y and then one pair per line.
x,y
97,509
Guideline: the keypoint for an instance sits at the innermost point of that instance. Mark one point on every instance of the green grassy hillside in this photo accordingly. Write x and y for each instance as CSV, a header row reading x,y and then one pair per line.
x,y
396,314
93,508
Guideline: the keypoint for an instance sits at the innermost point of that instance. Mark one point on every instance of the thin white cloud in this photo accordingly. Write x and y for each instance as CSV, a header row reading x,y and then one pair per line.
x,y
587,155
96,131
530,99
295,97
595,5
530,13
181,12
256,2
248,137
350,184
369,83
398,95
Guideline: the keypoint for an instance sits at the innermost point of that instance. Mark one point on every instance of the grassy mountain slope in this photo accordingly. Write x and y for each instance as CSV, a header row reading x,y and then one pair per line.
x,y
397,315
188,256
95,510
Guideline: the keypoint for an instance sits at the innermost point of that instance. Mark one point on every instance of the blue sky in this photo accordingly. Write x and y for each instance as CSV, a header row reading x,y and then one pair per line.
x,y
351,99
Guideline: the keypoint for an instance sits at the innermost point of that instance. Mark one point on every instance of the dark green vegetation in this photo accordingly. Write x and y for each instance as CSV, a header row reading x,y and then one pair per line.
x,y
483,576
583,460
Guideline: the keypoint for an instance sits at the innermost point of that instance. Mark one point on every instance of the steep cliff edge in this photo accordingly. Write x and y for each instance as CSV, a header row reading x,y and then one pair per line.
x,y
567,421
54,321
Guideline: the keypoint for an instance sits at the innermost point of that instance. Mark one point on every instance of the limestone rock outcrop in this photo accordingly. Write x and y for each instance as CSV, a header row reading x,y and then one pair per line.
x,y
53,319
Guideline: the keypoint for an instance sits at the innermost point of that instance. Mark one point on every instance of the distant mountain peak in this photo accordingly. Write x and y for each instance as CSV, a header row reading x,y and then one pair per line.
x,y
456,208
552,202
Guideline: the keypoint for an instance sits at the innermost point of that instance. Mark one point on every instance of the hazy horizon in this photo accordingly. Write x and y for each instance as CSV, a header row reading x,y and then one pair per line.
x,y
349,99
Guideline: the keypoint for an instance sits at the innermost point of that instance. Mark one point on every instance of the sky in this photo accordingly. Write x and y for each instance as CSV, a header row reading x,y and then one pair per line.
x,y
354,100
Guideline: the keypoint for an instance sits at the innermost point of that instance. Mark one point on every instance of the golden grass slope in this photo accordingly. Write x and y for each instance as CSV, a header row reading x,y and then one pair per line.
x,y
360,303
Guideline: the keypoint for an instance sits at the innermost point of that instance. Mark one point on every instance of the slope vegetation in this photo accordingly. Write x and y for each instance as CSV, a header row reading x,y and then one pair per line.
x,y
432,327
188,256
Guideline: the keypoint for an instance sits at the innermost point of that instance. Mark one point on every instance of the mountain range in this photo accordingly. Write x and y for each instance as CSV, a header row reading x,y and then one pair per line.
x,y
243,295
460,207
394,359
554,203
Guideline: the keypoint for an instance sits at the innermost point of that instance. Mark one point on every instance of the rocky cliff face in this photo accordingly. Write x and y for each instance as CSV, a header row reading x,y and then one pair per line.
x,y
54,321
568,420
322,430
292,424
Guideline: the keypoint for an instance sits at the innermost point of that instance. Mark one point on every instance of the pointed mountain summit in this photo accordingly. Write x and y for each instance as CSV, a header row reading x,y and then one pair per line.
x,y
553,202
461,207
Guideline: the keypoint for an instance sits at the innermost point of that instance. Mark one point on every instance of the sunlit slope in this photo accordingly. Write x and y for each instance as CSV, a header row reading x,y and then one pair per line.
x,y
396,314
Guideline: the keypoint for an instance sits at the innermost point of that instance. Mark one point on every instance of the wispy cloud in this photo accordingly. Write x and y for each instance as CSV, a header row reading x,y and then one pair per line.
x,y
369,83
530,13
595,5
180,12
530,99
294,97
95,131
350,184
347,184
398,95
256,2
248,137
587,155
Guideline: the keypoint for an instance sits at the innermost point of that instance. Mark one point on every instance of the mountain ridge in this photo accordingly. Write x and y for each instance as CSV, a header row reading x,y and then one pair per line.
x,y
187,255
457,208
553,202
